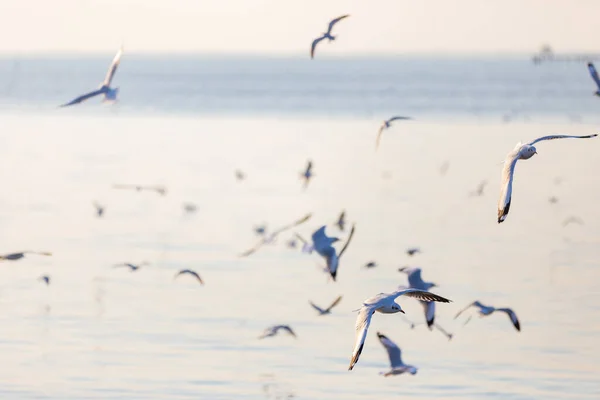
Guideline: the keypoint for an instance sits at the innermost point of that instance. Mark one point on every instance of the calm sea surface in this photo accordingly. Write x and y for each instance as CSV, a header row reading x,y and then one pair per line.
x,y
98,332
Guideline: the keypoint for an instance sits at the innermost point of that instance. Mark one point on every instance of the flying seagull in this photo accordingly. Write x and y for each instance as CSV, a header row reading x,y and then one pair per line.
x,y
489,310
306,247
99,209
595,77
385,125
132,267
572,220
45,279
109,93
190,208
138,188
326,35
240,175
268,238
383,303
395,356
307,174
273,330
480,188
18,256
520,152
371,264
341,221
327,310
323,245
412,251
415,281
189,272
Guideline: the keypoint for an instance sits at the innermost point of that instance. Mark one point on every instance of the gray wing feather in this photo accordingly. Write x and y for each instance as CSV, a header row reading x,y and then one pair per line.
x,y
594,74
422,295
552,137
335,21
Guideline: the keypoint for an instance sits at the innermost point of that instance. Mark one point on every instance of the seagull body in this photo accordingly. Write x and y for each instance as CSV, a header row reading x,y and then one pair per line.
x,y
341,221
595,77
273,330
415,281
132,267
99,209
520,152
189,272
190,208
266,239
384,303
323,245
18,256
386,125
371,264
307,174
325,311
489,310
395,356
45,279
412,251
327,35
110,94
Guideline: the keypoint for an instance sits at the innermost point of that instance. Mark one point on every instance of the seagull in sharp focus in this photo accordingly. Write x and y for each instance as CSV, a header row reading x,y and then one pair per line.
x,y
323,245
326,35
520,152
325,311
110,94
273,330
190,272
269,238
395,356
385,125
595,77
383,303
489,310
18,256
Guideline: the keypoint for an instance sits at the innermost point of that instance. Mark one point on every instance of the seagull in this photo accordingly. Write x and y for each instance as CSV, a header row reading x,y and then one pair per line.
x,y
45,278
18,256
412,251
323,245
488,310
444,168
99,209
260,230
306,247
307,174
383,303
594,75
572,220
138,188
553,200
190,208
109,93
271,237
273,330
371,264
479,191
385,125
341,221
189,272
415,281
327,310
520,152
132,267
326,35
395,356
239,175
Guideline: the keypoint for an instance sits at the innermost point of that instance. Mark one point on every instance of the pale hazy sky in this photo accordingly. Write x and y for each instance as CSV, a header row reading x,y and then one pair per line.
x,y
285,26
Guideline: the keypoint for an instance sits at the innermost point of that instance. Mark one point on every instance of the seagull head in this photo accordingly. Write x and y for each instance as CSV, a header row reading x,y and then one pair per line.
x,y
528,152
396,308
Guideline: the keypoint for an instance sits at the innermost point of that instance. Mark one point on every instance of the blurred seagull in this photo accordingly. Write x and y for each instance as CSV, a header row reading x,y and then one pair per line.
x,y
341,221
45,279
138,188
383,303
99,209
132,267
18,256
190,208
371,264
594,75
489,310
189,272
323,245
395,356
307,174
444,168
385,125
327,310
326,35
271,237
479,191
412,251
520,152
239,175
273,330
553,200
306,247
572,220
109,93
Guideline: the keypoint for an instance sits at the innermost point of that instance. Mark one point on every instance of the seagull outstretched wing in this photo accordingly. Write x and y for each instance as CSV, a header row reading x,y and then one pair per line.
x,y
113,68
84,97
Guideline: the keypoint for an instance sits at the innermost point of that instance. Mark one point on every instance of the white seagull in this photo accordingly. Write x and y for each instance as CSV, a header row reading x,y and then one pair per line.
x,y
383,303
273,330
385,125
327,310
323,245
489,310
520,152
595,77
415,281
326,35
110,94
395,356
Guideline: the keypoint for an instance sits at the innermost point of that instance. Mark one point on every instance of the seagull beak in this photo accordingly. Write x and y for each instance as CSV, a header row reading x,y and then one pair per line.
x,y
402,311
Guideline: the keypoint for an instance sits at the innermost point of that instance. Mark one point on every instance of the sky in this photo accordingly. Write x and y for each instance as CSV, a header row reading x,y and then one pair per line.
x,y
287,27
